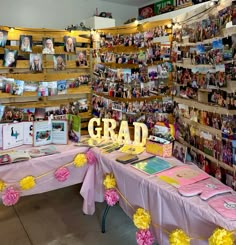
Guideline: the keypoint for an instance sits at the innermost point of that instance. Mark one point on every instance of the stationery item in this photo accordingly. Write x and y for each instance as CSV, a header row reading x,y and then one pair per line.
x,y
206,189
225,206
132,149
50,132
87,141
182,176
127,158
152,165
14,156
42,151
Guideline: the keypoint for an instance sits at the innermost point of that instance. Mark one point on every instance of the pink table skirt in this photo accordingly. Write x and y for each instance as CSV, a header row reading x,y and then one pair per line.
x,y
166,206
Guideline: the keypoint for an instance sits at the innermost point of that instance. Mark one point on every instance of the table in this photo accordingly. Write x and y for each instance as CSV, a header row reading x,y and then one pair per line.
x,y
164,203
12,173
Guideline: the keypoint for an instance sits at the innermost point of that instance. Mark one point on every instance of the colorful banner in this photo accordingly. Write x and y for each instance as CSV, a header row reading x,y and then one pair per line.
x,y
163,6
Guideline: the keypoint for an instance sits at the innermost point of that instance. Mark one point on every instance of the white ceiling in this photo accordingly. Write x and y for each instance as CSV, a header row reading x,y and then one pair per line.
x,y
136,3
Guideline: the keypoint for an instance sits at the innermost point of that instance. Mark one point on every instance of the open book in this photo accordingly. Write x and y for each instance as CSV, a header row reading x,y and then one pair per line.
x,y
42,151
14,156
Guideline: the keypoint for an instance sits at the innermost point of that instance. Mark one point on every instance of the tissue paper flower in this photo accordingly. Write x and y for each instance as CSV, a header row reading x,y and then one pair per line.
x,y
27,183
111,197
109,182
141,219
2,185
91,157
221,237
62,174
80,160
10,196
144,237
178,237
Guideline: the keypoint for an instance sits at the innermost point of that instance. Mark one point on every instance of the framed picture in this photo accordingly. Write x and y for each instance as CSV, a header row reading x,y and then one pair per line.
x,y
69,44
36,62
179,151
3,38
10,58
48,44
81,58
59,62
26,43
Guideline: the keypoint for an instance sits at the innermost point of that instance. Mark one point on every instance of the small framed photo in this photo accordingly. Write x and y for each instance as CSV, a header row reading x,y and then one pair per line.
x,y
69,44
10,58
3,38
26,43
48,45
36,62
180,151
59,62
81,58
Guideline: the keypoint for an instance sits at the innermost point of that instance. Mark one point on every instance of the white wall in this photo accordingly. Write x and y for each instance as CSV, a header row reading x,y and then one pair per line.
x,y
59,14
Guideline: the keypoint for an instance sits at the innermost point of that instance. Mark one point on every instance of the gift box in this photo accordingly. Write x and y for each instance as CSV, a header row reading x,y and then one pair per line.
x,y
162,150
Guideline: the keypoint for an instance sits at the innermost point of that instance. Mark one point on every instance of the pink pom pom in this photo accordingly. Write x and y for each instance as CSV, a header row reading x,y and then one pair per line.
x,y
144,237
10,196
62,174
111,197
91,157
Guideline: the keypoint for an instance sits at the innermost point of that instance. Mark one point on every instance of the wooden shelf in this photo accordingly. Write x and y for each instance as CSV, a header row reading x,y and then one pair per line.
x,y
204,106
190,66
212,159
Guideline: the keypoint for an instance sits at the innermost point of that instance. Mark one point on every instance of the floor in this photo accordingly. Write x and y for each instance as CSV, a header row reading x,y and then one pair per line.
x,y
56,218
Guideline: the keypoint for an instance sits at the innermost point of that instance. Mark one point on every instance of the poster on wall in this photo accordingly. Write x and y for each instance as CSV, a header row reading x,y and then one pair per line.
x,y
147,11
164,6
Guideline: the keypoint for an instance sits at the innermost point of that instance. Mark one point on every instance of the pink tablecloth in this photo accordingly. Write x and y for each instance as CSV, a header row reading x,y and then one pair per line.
x,y
166,206
37,166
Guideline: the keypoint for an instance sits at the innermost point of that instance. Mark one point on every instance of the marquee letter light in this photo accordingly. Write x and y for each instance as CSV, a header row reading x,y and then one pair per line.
x,y
91,128
109,131
124,136
138,128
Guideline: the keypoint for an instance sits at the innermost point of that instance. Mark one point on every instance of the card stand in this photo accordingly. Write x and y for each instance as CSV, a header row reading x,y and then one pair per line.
x,y
159,149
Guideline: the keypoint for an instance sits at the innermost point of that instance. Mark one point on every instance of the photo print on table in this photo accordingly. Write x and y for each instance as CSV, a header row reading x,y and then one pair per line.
x,y
179,151
26,43
59,61
48,44
36,62
10,58
81,58
3,38
69,44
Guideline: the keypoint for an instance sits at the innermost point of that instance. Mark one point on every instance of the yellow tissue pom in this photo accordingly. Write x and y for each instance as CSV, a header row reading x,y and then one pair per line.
x,y
2,185
178,237
109,182
142,219
27,183
80,160
221,237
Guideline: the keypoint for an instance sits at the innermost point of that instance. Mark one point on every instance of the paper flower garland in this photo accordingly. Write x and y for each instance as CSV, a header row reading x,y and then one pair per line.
x,y
27,183
221,237
111,197
2,185
80,160
10,196
178,237
144,237
141,219
62,174
109,181
91,158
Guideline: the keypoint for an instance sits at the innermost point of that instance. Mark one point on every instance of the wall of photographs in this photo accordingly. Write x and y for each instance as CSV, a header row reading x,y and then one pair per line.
x,y
204,91
44,72
133,75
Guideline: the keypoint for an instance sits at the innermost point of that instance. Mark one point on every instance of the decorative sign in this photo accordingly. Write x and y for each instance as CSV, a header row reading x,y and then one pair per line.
x,y
147,11
123,137
163,6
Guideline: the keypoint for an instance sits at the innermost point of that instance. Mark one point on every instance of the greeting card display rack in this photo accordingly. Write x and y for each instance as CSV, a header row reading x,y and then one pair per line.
x,y
204,89
156,33
49,74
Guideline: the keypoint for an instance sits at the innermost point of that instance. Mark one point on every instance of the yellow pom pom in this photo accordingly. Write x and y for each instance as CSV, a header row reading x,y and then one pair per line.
x,y
27,183
178,237
109,182
221,237
142,219
80,160
2,185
